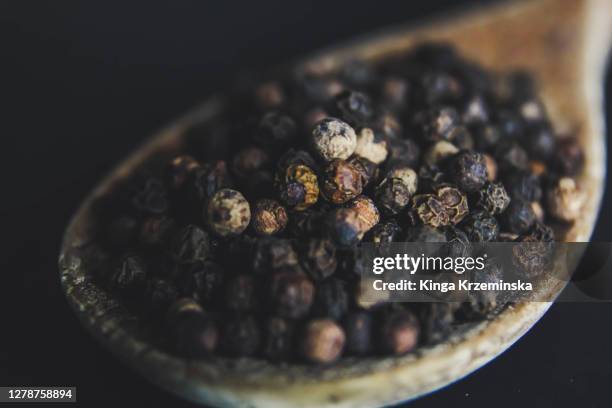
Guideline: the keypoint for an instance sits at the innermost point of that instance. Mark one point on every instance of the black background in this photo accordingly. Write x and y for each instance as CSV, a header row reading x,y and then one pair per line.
x,y
84,83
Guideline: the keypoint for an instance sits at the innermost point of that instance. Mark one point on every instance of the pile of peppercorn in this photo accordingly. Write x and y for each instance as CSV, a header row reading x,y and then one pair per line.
x,y
245,245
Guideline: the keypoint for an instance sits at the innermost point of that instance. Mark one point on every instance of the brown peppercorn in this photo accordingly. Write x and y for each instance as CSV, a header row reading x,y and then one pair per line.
x,y
298,185
399,332
228,212
367,169
367,212
334,139
454,201
565,200
248,161
292,293
430,210
179,168
341,182
371,146
323,341
493,198
269,217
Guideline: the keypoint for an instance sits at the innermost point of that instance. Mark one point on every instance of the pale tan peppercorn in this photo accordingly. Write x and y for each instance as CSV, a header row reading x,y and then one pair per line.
x,y
565,200
440,151
408,177
323,341
370,146
491,167
228,212
334,139
269,217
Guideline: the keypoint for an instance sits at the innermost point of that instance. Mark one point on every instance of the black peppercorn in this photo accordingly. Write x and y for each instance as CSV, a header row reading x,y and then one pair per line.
x,y
157,231
345,227
519,216
353,107
469,170
358,328
130,275
511,157
493,198
318,257
248,161
341,182
523,185
383,233
568,157
399,333
404,151
440,87
240,293
202,281
331,299
269,217
278,339
159,295
241,336
204,182
270,254
292,293
480,227
179,169
437,123
323,341
367,169
540,142
191,244
482,302
152,197
276,131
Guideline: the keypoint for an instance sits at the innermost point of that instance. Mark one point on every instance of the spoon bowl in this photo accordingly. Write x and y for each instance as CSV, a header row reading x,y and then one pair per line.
x,y
563,44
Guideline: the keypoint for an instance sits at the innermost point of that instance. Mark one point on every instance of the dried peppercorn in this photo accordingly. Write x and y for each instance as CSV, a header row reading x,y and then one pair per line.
x,y
399,332
393,193
371,146
241,336
424,233
292,293
195,336
157,231
565,200
384,232
519,216
248,161
469,171
404,151
306,223
430,177
298,186
334,139
540,142
159,295
511,157
458,242
269,217
204,182
476,111
480,303
436,123
202,281
276,131
440,151
395,92
179,169
523,185
430,210
367,170
240,293
270,254
295,157
345,227
278,339
480,226
152,197
529,257
323,341
228,212
568,157
130,275
191,244
388,124
486,136
435,320
493,198
510,124
491,167
331,299
353,107
454,202
462,138
367,212
341,182
357,73
440,87
358,328
318,257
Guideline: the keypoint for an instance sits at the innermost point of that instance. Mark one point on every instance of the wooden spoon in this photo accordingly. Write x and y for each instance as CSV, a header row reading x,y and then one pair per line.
x,y
563,43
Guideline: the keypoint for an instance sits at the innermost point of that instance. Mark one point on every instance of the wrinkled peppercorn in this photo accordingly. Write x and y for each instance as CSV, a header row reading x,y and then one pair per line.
x,y
345,227
480,227
404,151
523,185
269,217
440,151
278,339
202,281
341,182
353,107
331,299
298,186
241,336
334,139
276,131
367,170
519,216
384,233
565,200
437,123
318,256
159,295
493,198
323,341
367,212
469,170
371,146
191,244
152,197
292,293
228,212
130,275
272,254
399,333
